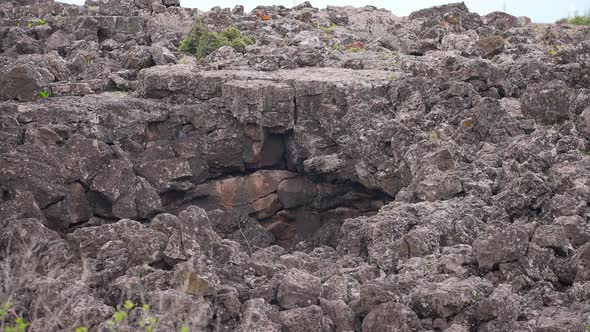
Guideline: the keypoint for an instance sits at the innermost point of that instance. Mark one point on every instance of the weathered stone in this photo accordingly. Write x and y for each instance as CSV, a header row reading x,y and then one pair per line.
x,y
34,168
500,245
581,263
500,308
176,305
340,314
547,102
115,7
298,289
560,319
492,122
242,191
244,230
553,237
456,328
147,201
391,316
575,230
188,280
21,206
77,302
111,249
267,206
335,288
264,103
73,209
70,89
376,292
436,179
501,21
171,3
87,29
163,173
161,55
255,313
584,123
296,192
113,191
448,298
22,82
302,319
491,46
163,81
138,57
21,235
189,234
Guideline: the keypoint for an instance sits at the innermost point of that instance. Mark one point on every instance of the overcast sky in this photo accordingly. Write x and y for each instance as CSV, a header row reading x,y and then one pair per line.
x,y
539,10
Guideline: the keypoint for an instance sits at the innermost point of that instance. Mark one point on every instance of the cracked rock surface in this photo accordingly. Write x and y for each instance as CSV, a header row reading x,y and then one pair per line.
x,y
351,171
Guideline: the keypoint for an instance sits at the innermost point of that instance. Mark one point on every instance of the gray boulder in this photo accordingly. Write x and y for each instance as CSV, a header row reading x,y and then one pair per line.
x,y
162,81
499,245
450,297
299,289
393,317
547,102
22,82
256,314
188,235
302,319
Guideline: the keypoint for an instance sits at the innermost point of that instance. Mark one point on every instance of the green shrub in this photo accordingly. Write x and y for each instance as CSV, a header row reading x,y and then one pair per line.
x,y
577,19
7,315
201,41
234,38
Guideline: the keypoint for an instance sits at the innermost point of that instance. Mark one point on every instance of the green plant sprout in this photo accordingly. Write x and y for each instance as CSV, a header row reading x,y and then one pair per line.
x,y
36,22
44,94
432,136
329,30
119,321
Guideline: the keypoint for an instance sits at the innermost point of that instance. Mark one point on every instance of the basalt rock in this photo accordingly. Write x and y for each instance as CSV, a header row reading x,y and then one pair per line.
x,y
22,82
352,170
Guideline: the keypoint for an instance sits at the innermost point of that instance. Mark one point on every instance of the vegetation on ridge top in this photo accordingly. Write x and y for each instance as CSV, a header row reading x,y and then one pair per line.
x,y
201,41
577,19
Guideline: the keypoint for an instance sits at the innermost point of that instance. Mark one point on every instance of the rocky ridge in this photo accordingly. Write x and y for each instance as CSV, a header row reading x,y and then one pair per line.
x,y
351,171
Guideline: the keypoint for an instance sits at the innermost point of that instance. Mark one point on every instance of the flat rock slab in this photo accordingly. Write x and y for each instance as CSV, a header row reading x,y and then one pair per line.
x,y
162,81
70,89
261,102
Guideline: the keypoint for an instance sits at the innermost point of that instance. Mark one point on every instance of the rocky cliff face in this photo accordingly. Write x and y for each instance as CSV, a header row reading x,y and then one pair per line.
x,y
351,171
